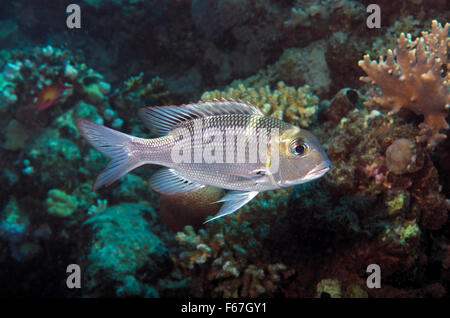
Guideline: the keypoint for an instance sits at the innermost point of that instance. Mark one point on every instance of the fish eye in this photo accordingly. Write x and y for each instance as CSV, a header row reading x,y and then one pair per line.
x,y
299,147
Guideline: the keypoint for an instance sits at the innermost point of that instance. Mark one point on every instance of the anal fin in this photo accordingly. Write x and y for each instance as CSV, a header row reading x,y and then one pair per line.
x,y
233,201
168,181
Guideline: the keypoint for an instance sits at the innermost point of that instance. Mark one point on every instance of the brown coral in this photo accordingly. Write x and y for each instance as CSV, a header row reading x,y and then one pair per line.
x,y
232,276
227,258
414,77
297,106
401,156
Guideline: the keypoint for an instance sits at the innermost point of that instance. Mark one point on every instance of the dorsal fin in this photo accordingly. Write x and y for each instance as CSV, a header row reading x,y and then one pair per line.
x,y
162,119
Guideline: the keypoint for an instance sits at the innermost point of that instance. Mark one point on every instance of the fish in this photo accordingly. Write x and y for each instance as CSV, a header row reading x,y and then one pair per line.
x,y
49,95
229,144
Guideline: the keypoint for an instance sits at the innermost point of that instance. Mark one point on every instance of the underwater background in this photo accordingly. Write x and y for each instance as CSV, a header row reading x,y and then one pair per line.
x,y
376,97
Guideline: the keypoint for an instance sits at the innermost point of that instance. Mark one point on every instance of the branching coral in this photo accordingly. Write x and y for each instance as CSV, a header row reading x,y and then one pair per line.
x,y
234,276
136,92
155,89
228,258
414,76
406,24
297,106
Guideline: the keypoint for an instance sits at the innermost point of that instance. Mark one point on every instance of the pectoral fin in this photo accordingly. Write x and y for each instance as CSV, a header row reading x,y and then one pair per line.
x,y
260,176
233,201
168,181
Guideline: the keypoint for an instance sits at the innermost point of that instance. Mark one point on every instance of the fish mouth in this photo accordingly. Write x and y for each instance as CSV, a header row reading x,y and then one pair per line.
x,y
318,171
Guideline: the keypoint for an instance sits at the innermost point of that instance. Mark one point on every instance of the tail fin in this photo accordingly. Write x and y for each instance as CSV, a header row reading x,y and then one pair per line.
x,y
119,147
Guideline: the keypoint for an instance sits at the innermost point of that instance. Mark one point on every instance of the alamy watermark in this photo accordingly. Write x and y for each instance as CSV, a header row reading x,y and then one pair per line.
x,y
227,145
73,20
373,21
374,279
74,278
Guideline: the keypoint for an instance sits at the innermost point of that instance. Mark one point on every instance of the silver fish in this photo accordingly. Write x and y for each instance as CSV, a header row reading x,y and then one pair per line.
x,y
222,143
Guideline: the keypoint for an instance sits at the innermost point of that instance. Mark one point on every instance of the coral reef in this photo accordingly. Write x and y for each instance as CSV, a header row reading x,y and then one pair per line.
x,y
227,258
16,136
297,106
60,203
373,157
127,254
307,13
358,223
305,66
414,77
401,156
49,168
363,212
385,200
14,224
407,25
329,287
138,93
54,157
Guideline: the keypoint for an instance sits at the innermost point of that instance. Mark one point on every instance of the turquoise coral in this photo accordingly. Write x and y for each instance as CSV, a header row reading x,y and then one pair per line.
x,y
122,244
13,222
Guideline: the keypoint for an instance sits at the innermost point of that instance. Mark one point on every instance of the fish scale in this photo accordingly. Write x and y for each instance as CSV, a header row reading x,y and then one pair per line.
x,y
227,175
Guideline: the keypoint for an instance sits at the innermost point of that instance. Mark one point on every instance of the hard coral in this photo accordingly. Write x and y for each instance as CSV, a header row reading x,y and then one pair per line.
x,y
226,268
123,240
229,259
361,168
137,92
362,212
401,156
60,203
296,106
414,77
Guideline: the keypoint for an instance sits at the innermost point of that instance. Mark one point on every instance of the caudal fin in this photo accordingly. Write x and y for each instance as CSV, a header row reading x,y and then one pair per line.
x,y
121,148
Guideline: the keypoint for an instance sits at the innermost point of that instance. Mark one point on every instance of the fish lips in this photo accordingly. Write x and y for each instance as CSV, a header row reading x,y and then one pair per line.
x,y
315,173
318,171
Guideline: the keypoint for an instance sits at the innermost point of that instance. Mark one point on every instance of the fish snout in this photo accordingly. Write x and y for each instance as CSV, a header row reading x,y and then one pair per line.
x,y
320,170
